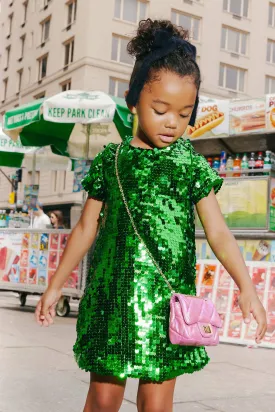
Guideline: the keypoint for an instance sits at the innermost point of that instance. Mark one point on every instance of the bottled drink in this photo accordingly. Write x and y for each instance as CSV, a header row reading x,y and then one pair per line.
x,y
237,165
244,163
229,167
259,164
216,164
210,161
223,157
251,163
2,219
222,164
223,168
267,162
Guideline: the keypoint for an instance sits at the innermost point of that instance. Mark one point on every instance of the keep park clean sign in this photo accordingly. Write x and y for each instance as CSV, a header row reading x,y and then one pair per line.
x,y
79,107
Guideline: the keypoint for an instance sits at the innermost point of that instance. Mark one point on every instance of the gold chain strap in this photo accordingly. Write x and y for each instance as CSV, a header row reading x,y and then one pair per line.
x,y
133,223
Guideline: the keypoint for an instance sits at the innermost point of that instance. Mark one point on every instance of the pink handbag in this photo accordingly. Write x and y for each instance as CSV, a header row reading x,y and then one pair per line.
x,y
193,321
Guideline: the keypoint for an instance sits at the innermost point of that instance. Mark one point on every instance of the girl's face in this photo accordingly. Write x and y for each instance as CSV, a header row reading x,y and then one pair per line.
x,y
164,108
53,219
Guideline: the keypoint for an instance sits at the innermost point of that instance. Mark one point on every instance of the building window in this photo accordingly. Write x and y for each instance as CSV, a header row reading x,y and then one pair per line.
x,y
20,76
234,40
39,96
188,22
5,89
118,87
119,50
270,54
236,7
130,10
72,9
271,15
66,85
45,30
22,39
69,52
42,68
10,19
269,84
8,53
232,78
25,12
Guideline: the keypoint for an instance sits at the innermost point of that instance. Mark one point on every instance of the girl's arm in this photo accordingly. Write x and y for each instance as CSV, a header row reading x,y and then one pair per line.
x,y
227,251
80,241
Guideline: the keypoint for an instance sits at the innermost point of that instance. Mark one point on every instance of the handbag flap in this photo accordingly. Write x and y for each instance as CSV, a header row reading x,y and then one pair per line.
x,y
197,310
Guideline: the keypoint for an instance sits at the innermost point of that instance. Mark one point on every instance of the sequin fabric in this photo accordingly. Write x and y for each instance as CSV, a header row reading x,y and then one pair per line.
x,y
123,321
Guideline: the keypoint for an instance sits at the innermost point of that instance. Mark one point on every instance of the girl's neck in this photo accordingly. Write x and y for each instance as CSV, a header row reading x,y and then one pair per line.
x,y
142,141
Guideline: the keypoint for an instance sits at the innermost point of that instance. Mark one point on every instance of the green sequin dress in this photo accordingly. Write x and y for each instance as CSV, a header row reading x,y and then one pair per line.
x,y
123,321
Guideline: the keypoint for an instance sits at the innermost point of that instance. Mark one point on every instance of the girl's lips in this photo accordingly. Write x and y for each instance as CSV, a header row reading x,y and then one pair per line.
x,y
166,139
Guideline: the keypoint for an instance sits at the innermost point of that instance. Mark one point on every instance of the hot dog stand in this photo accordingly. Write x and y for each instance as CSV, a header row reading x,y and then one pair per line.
x,y
247,202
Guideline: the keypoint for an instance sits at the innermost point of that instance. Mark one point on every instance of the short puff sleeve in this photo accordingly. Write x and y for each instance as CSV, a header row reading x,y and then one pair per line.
x,y
204,178
93,182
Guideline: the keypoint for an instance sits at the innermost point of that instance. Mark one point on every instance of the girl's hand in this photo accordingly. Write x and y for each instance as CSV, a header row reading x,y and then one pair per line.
x,y
45,309
250,303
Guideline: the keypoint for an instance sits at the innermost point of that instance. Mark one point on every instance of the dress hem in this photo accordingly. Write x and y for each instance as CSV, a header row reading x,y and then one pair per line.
x,y
123,376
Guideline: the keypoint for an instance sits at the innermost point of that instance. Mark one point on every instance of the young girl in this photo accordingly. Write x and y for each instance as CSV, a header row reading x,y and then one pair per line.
x,y
122,328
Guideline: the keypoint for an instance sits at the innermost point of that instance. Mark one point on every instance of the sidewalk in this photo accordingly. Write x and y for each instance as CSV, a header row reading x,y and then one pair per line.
x,y
38,372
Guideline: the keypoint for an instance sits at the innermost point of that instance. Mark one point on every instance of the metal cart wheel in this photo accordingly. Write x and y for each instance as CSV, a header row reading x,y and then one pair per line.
x,y
63,307
23,299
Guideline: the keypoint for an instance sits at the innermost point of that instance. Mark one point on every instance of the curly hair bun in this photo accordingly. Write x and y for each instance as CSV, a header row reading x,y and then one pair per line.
x,y
141,44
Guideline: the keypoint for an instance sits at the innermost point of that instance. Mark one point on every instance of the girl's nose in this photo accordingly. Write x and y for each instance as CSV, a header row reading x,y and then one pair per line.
x,y
171,122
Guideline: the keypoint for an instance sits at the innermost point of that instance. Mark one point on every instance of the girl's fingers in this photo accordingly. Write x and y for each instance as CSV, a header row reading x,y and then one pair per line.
x,y
245,308
38,312
261,331
52,312
48,318
260,318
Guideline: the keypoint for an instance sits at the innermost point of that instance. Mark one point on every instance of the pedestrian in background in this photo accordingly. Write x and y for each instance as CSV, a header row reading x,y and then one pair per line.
x,y
57,219
123,321
41,220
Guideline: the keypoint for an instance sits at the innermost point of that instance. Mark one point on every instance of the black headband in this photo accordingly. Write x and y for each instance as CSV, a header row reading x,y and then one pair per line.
x,y
164,43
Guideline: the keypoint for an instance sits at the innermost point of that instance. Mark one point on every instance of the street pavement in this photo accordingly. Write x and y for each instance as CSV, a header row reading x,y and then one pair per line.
x,y
38,372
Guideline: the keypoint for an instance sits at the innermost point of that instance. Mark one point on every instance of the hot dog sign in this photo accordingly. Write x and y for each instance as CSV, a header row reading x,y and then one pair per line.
x,y
212,119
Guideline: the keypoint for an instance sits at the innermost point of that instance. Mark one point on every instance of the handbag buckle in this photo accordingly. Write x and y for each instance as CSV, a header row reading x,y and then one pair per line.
x,y
207,329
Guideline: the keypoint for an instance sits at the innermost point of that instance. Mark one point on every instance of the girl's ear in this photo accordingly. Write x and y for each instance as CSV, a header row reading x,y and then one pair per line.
x,y
132,109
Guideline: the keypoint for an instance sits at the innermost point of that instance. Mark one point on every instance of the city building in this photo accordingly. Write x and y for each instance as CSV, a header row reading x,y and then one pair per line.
x,y
48,46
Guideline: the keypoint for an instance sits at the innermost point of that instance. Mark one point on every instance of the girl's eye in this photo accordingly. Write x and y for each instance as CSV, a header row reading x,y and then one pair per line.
x,y
184,116
159,113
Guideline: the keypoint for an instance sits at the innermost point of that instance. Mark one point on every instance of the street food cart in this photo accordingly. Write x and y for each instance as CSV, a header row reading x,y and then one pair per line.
x,y
247,201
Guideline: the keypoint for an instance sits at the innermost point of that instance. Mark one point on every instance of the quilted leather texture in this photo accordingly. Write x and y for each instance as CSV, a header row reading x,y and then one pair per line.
x,y
193,321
